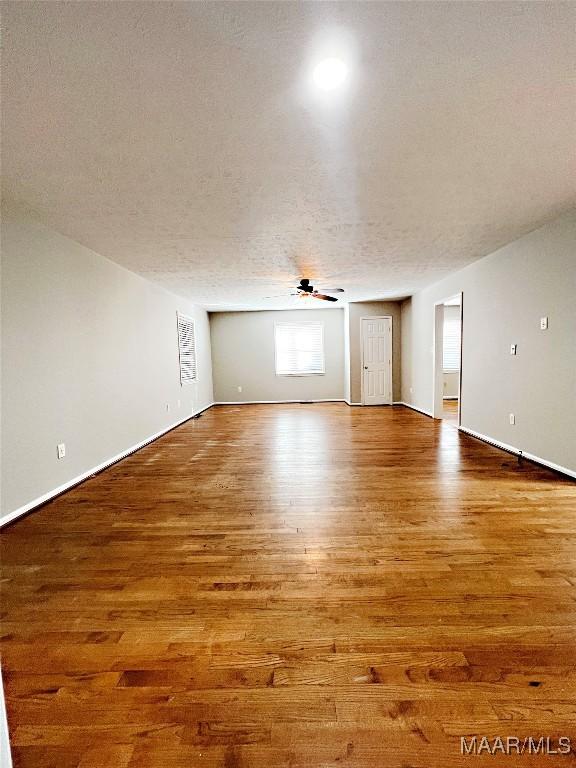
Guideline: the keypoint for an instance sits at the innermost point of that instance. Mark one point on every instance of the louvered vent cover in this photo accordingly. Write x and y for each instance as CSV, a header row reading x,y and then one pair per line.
x,y
187,349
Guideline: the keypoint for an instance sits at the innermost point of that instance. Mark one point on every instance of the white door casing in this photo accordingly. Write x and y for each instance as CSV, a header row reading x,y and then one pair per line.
x,y
376,346
438,357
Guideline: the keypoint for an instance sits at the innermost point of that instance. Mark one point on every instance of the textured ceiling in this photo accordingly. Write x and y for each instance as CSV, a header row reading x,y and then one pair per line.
x,y
184,140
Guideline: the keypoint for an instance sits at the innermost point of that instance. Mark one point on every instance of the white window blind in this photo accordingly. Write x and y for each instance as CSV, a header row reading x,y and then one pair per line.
x,y
299,349
451,354
187,349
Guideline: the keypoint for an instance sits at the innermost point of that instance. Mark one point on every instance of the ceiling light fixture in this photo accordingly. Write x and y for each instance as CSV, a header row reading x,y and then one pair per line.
x,y
330,74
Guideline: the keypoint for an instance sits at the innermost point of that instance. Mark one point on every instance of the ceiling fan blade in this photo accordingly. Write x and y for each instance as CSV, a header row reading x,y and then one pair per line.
x,y
331,290
324,298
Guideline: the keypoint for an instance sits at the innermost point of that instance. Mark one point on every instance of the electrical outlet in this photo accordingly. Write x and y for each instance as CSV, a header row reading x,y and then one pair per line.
x,y
179,404
512,418
239,389
513,349
543,323
61,449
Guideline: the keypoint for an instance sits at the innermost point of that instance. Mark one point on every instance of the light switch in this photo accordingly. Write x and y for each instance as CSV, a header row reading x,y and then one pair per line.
x,y
513,349
512,419
61,449
543,323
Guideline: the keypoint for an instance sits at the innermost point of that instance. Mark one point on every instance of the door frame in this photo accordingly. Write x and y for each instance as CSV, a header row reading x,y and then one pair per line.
x,y
437,356
390,378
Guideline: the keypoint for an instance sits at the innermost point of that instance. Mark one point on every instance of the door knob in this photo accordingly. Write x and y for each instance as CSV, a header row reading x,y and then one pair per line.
x,y
365,367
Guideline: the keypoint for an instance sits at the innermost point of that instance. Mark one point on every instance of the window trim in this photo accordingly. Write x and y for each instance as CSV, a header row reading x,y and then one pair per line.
x,y
318,323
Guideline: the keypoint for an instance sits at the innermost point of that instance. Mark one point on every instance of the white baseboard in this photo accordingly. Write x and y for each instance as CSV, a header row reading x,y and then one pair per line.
x,y
5,756
278,402
414,408
450,397
85,475
362,404
518,452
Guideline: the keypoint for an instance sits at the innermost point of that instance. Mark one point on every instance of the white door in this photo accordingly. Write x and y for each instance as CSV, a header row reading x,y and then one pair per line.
x,y
376,361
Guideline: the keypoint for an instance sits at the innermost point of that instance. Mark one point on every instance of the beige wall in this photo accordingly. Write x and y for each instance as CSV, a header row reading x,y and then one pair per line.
x,y
347,353
504,296
243,356
356,311
89,359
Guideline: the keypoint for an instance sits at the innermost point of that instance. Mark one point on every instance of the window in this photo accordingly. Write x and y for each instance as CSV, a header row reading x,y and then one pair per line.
x,y
187,349
451,362
299,349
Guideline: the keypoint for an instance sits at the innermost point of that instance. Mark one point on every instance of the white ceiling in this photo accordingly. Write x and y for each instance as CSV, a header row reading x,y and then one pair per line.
x,y
184,140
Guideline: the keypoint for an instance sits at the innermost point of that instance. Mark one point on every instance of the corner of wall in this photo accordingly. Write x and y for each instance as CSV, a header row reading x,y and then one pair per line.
x,y
5,756
346,321
406,351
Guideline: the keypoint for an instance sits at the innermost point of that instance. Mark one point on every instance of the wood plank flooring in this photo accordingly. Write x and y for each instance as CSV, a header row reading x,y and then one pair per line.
x,y
450,411
303,586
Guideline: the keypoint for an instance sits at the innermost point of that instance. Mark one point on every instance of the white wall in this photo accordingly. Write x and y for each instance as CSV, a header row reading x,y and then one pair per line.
x,y
243,355
89,359
451,384
357,310
504,296
5,755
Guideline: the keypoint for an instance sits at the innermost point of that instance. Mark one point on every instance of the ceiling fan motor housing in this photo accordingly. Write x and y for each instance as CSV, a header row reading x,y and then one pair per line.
x,y
305,289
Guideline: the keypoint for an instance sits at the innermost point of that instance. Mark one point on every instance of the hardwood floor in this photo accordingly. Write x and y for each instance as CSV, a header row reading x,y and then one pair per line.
x,y
450,411
294,585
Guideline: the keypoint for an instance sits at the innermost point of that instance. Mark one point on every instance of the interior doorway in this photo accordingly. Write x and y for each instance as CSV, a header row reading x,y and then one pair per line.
x,y
447,359
376,348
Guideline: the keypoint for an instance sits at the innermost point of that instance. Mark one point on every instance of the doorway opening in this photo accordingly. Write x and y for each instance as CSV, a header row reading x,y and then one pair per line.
x,y
447,359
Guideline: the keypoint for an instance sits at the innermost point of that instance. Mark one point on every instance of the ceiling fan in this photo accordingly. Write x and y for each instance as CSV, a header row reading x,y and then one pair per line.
x,y
304,290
